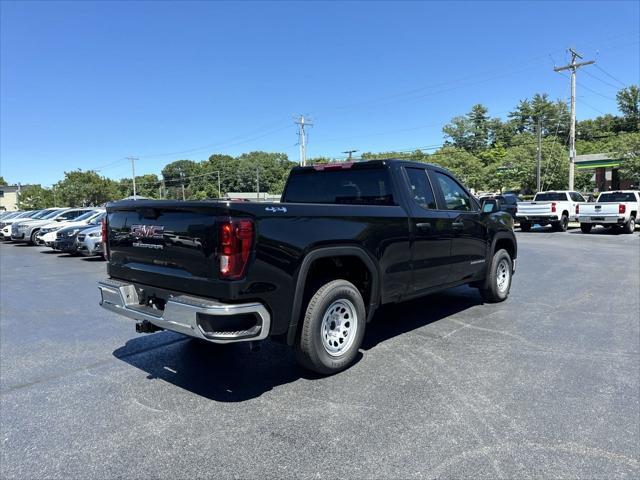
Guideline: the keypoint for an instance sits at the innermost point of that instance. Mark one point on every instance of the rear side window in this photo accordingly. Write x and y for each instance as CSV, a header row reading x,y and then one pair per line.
x,y
350,186
616,197
455,198
420,187
550,197
576,197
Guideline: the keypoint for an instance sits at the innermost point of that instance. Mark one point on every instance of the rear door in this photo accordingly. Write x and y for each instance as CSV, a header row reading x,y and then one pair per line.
x,y
469,241
430,232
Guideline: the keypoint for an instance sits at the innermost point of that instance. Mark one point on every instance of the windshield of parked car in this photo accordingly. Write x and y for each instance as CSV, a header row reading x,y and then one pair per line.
x,y
348,186
42,213
97,220
52,214
616,197
85,216
550,197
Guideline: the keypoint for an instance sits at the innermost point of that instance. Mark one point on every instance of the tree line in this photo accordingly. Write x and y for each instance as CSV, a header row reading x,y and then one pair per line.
x,y
487,153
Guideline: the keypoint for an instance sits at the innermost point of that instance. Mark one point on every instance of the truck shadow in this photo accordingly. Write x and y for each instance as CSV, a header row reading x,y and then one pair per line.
x,y
231,373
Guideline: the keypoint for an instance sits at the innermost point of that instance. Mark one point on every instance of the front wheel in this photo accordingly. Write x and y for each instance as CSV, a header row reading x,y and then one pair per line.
x,y
586,227
33,239
332,329
498,281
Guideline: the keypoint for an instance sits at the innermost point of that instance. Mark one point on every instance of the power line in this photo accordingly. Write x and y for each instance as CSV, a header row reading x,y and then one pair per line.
x,y
610,76
602,80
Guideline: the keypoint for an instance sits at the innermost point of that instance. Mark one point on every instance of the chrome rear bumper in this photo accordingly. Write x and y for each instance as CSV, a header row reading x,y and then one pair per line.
x,y
185,314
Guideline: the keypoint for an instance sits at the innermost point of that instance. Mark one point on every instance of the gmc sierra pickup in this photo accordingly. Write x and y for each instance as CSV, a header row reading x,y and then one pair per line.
x,y
309,271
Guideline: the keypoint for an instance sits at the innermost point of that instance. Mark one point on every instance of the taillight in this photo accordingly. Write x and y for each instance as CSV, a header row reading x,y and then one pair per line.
x,y
622,208
105,243
236,237
553,207
577,209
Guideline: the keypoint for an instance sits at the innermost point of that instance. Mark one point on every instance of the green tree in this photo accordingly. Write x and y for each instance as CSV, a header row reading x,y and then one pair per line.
x,y
627,148
464,165
3,181
147,185
80,188
554,117
178,173
35,197
629,105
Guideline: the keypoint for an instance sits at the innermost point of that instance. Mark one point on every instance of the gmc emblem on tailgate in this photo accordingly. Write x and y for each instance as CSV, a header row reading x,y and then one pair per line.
x,y
147,231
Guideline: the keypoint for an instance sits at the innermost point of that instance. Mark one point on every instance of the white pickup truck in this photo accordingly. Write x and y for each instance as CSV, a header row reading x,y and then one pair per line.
x,y
557,208
619,208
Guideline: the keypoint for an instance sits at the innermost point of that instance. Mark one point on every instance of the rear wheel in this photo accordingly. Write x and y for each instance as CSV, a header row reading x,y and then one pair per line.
x,y
332,329
586,227
498,282
562,225
630,226
525,226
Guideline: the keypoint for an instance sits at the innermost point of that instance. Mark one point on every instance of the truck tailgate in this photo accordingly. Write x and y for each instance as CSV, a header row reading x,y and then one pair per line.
x,y
534,208
165,245
609,208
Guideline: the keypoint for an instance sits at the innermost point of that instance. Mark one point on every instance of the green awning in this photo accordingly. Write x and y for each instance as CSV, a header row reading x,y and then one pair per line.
x,y
597,164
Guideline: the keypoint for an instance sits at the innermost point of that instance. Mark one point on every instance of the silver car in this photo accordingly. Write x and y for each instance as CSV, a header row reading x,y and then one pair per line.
x,y
89,241
28,231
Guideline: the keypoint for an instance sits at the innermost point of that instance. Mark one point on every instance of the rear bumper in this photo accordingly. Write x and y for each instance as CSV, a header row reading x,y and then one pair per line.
x,y
602,219
537,218
193,316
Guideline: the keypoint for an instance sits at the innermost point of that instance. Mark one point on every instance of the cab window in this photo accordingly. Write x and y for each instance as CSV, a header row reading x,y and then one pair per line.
x,y
420,187
455,197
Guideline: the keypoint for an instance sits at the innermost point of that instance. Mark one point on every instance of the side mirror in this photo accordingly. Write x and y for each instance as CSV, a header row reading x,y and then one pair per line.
x,y
59,219
490,205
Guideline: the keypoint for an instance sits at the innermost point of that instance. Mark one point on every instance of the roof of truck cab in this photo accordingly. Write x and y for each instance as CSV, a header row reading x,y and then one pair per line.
x,y
385,161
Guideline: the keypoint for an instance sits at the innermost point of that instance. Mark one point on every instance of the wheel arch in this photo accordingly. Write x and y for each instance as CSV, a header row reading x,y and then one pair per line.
x,y
328,253
504,240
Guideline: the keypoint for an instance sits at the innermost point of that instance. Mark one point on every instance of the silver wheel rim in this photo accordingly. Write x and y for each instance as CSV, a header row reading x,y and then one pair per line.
x,y
502,276
339,326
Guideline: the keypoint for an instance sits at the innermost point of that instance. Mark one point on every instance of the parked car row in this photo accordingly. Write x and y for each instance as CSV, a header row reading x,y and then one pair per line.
x,y
617,209
71,230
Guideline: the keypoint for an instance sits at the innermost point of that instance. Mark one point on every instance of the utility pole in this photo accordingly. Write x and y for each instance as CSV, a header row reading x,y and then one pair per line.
x,y
182,182
538,154
219,189
302,123
133,173
53,188
350,153
258,183
573,66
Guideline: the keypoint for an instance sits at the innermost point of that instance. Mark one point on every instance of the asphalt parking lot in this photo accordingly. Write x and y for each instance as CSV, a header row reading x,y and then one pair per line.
x,y
544,385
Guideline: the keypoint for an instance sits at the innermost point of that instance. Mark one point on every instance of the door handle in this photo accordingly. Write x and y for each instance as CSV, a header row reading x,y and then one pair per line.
x,y
425,226
457,225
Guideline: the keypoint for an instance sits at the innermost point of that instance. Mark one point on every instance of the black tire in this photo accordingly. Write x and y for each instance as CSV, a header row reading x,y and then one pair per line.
x,y
562,225
525,226
312,346
630,226
32,239
490,290
586,227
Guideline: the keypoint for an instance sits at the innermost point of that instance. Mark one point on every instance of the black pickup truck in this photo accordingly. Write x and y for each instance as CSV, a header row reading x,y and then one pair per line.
x,y
309,271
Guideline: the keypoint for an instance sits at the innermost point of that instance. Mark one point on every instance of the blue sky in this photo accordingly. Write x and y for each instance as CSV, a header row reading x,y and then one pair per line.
x,y
85,84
